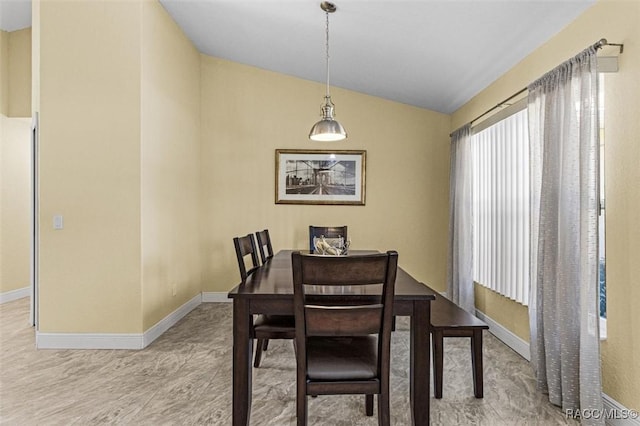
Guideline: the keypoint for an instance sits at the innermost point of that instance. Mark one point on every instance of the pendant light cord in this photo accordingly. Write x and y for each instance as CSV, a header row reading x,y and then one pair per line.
x,y
327,49
327,129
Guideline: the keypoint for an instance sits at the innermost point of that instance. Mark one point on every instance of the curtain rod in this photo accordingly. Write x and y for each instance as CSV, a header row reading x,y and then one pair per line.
x,y
597,45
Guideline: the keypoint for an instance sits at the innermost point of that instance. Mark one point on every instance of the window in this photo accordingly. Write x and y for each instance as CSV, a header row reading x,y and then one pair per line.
x,y
501,205
602,274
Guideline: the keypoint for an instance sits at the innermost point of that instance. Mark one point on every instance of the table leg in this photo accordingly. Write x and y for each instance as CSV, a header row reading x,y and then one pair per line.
x,y
420,359
242,351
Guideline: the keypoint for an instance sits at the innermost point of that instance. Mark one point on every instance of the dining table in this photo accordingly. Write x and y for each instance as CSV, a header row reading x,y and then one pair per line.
x,y
269,290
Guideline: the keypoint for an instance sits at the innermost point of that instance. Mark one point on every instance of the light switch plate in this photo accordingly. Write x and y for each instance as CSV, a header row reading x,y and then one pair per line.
x,y
58,222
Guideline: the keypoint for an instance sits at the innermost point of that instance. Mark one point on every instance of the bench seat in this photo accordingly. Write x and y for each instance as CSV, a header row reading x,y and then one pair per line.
x,y
450,320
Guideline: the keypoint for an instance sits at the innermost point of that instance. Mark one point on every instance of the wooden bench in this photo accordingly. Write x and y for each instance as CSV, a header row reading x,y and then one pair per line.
x,y
450,320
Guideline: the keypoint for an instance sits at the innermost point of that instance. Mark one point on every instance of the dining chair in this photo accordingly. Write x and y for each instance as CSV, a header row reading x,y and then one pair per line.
x,y
343,348
245,246
265,327
327,232
264,243
270,327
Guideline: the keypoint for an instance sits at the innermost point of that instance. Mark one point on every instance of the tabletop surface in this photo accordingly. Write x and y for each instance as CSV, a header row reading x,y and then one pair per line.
x,y
275,279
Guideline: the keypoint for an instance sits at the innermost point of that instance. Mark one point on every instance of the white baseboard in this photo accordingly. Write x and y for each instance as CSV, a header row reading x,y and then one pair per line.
x,y
170,320
115,340
88,341
10,296
617,414
215,297
507,336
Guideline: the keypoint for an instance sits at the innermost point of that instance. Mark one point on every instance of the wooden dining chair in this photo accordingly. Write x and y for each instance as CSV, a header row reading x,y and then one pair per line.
x,y
265,327
341,348
327,232
264,243
273,326
245,246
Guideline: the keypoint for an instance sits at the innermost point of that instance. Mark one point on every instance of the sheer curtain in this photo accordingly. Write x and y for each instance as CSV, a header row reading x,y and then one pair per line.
x,y
460,259
563,308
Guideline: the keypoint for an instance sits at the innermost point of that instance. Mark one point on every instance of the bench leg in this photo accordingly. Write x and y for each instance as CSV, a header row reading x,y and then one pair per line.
x,y
476,363
437,343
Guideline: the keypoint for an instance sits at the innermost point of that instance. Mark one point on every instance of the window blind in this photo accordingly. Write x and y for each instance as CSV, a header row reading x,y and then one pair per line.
x,y
501,207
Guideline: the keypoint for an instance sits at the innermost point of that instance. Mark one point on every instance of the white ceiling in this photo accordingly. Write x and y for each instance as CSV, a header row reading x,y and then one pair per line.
x,y
15,14
435,54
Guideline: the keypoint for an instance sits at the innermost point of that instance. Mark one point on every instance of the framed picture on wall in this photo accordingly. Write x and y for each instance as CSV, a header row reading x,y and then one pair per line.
x,y
320,176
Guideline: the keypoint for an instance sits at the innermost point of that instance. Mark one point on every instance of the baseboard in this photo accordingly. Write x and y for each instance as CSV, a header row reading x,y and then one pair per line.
x,y
170,320
617,414
115,340
10,296
507,336
89,341
215,297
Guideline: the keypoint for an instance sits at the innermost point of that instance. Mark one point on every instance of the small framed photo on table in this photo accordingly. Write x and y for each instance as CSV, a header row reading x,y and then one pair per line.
x,y
320,176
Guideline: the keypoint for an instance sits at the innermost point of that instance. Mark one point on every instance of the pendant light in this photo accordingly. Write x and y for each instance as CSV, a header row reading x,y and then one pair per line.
x,y
327,129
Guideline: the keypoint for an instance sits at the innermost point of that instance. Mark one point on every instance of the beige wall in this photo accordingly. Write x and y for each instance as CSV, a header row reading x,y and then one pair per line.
x,y
90,272
14,203
4,72
15,101
170,166
618,22
247,113
504,311
119,107
35,56
15,73
20,73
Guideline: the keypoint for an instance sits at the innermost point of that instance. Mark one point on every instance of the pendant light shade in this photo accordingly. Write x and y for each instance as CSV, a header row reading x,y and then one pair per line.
x,y
327,129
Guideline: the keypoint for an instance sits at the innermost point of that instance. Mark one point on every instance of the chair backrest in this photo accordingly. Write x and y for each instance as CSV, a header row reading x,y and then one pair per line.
x,y
264,242
334,318
327,232
245,246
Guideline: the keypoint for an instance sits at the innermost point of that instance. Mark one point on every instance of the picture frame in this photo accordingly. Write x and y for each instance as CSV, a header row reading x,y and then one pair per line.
x,y
319,176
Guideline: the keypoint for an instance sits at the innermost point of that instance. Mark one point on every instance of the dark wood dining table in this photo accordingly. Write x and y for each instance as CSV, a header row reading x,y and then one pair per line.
x,y
269,290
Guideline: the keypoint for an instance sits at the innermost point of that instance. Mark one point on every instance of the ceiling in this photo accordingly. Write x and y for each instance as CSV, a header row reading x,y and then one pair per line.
x,y
435,54
15,14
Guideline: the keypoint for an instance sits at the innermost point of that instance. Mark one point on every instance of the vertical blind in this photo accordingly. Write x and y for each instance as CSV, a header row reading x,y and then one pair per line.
x,y
501,207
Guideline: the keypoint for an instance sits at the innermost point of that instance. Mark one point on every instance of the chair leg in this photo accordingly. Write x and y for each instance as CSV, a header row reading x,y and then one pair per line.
x,y
437,343
301,394
384,417
393,324
265,344
259,346
301,408
476,363
368,405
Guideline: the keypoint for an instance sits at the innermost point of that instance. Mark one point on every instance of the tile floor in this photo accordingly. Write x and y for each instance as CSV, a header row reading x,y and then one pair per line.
x,y
184,378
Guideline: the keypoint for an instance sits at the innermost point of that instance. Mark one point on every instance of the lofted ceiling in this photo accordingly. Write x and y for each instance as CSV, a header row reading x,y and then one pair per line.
x,y
434,54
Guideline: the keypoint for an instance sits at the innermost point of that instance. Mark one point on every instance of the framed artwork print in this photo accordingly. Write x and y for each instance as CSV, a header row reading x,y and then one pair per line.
x,y
320,176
